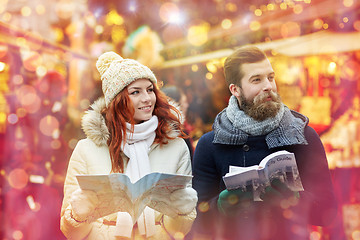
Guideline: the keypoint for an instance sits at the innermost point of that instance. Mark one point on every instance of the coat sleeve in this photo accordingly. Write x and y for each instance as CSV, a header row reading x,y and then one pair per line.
x,y
206,182
181,223
68,225
318,197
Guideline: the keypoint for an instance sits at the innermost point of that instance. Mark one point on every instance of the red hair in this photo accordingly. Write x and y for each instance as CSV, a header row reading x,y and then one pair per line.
x,y
121,110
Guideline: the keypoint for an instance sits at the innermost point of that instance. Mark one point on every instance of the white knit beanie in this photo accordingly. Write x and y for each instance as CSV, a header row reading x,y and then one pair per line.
x,y
116,73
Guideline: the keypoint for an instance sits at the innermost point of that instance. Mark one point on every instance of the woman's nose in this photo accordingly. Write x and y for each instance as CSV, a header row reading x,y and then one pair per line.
x,y
146,97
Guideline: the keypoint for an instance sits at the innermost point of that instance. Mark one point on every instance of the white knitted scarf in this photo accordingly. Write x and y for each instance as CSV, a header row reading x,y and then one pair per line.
x,y
136,149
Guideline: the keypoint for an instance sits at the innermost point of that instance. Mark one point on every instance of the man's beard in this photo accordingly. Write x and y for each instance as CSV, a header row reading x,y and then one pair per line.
x,y
261,109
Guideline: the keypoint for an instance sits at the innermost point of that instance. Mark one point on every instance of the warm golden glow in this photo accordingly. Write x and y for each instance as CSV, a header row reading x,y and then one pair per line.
x,y
113,18
40,9
168,12
6,17
254,25
283,6
318,23
2,66
270,7
231,7
209,76
298,9
211,66
26,11
331,68
198,34
194,68
258,12
348,3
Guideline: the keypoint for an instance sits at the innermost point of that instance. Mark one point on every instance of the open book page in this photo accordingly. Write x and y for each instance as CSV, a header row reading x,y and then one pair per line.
x,y
280,165
117,193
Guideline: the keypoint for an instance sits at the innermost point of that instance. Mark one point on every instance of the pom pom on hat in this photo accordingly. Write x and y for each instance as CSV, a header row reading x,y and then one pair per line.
x,y
116,73
104,61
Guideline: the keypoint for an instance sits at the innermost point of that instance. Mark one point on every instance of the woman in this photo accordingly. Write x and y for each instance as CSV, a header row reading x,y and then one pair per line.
x,y
132,130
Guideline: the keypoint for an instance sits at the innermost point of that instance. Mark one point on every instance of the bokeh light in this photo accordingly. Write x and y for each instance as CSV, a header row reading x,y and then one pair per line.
x,y
28,98
26,11
203,207
290,29
113,18
348,3
298,8
17,235
254,26
18,178
13,118
357,25
49,125
318,23
209,76
40,9
355,235
226,23
315,235
198,34
194,67
170,13
258,12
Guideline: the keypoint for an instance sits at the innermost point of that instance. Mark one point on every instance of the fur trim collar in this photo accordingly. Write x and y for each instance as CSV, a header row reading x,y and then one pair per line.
x,y
93,123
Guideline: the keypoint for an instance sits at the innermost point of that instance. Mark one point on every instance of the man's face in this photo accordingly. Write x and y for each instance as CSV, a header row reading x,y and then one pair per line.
x,y
257,95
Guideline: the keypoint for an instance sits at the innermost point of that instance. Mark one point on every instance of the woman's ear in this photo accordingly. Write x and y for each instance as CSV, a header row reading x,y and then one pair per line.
x,y
235,90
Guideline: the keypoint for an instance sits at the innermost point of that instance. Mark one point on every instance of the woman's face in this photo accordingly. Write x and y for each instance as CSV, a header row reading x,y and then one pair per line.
x,y
143,98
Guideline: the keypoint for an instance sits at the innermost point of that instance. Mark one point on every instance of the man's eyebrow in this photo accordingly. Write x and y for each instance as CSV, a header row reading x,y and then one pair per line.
x,y
253,76
258,75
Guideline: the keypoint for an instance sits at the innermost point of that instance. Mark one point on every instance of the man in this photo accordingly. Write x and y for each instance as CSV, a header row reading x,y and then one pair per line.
x,y
255,124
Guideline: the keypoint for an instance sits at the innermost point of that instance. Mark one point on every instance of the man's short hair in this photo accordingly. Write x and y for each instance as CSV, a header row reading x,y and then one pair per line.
x,y
232,65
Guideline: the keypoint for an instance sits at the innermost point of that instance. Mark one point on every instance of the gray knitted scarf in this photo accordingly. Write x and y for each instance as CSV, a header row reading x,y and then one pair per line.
x,y
232,126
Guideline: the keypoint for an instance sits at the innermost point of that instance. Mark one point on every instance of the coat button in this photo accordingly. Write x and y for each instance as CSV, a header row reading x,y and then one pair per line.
x,y
246,148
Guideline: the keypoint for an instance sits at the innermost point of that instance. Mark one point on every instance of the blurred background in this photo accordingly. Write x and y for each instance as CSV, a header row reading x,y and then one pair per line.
x,y
48,78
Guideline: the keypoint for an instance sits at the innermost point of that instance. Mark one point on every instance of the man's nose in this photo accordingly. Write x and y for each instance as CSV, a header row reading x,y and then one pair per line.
x,y
267,85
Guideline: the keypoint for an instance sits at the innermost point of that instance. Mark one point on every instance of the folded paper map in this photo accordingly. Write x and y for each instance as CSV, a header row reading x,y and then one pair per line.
x,y
117,193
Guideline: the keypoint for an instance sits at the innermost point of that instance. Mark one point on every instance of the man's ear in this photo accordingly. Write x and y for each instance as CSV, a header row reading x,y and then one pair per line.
x,y
235,90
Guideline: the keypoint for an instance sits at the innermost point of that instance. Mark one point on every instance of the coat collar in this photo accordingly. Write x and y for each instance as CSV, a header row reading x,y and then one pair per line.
x,y
93,123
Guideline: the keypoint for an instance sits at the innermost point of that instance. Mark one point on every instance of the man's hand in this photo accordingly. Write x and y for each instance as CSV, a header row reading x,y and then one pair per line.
x,y
277,192
232,202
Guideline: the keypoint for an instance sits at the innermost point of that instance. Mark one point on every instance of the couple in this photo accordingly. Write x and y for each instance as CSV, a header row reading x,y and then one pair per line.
x,y
134,130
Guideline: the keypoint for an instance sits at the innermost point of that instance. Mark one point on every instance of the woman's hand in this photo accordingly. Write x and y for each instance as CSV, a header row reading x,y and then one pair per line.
x,y
83,203
180,202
